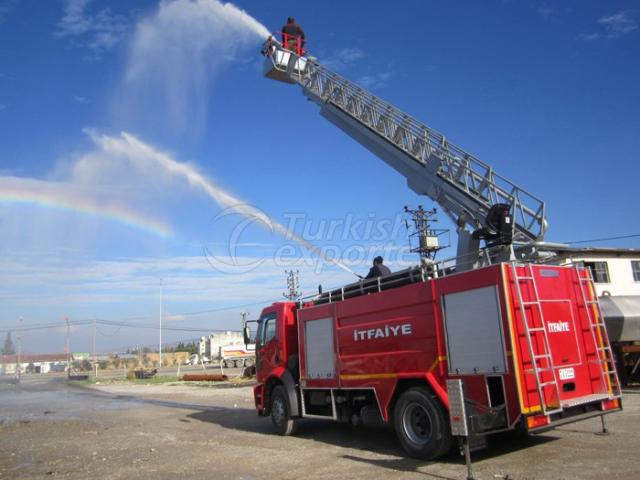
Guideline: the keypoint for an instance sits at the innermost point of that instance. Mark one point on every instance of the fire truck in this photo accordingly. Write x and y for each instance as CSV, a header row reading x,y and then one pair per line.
x,y
524,340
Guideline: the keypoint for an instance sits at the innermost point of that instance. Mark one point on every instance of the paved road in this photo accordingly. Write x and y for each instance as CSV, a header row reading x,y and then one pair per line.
x,y
51,429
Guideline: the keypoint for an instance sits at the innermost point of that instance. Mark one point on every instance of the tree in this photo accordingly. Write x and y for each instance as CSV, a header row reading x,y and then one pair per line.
x,y
8,348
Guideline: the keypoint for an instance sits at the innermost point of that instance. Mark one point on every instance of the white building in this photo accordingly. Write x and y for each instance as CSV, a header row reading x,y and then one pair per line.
x,y
42,363
210,346
615,271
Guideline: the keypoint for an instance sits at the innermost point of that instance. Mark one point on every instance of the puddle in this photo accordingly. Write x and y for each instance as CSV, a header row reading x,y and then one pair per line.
x,y
53,399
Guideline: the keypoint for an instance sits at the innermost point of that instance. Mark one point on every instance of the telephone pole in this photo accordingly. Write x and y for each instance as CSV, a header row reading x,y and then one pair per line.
x,y
93,348
160,340
293,285
66,319
19,364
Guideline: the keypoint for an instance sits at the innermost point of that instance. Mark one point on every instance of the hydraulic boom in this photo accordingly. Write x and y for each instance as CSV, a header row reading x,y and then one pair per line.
x,y
465,187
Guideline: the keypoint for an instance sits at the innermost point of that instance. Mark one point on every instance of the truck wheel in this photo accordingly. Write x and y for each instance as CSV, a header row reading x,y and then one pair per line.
x,y
280,412
421,424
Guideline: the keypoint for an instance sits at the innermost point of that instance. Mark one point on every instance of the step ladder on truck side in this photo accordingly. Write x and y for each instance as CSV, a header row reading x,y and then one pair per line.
x,y
604,360
532,315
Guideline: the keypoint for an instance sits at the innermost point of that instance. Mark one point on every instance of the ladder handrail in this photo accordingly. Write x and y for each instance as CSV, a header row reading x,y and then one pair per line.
x,y
608,370
534,357
460,169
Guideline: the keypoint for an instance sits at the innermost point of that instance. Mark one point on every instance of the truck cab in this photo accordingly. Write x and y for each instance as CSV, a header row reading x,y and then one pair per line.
x,y
277,370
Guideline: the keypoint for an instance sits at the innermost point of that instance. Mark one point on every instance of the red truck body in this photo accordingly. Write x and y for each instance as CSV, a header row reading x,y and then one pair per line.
x,y
527,340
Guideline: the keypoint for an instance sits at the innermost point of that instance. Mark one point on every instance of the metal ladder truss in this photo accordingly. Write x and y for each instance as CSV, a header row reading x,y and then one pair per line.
x,y
533,333
475,186
605,359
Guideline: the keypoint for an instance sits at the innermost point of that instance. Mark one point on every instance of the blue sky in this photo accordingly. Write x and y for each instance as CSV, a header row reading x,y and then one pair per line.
x,y
92,93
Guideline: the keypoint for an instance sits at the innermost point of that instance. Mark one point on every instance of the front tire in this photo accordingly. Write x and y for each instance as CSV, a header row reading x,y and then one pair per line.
x,y
281,412
421,424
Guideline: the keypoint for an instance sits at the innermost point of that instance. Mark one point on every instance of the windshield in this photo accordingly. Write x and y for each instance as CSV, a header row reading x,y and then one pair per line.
x,y
263,336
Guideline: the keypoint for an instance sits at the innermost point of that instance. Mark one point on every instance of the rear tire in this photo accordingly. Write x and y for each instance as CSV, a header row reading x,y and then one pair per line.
x,y
281,412
421,424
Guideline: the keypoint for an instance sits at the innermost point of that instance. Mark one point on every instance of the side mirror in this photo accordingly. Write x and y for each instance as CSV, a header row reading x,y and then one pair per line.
x,y
247,336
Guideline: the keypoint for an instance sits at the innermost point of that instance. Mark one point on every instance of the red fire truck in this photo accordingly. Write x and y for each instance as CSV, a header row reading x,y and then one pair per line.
x,y
526,339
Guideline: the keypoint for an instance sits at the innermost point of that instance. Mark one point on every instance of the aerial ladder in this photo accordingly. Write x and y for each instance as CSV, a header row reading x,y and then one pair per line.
x,y
483,204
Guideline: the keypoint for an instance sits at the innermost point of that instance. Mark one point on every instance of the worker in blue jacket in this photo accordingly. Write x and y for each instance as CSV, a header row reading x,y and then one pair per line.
x,y
378,269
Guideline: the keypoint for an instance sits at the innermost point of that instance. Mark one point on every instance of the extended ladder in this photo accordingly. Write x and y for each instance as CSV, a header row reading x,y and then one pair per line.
x,y
538,351
605,360
464,186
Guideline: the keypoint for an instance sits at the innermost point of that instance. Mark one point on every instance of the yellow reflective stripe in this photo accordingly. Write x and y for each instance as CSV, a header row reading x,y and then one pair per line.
x,y
514,343
435,363
361,376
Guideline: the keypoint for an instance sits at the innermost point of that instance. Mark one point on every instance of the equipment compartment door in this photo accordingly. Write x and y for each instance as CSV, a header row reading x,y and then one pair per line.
x,y
473,326
319,349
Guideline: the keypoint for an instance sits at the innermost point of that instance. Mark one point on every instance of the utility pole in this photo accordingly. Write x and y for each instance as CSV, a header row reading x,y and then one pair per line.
x,y
66,319
19,364
244,317
160,342
93,348
293,285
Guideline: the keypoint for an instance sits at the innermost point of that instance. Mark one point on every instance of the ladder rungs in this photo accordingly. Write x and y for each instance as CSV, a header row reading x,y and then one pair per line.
x,y
544,355
536,329
544,369
544,384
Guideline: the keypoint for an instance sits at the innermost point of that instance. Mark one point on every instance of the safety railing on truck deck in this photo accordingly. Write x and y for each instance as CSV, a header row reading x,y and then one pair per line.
x,y
466,173
415,274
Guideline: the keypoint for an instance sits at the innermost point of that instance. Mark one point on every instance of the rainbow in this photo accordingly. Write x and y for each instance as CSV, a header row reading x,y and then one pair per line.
x,y
66,196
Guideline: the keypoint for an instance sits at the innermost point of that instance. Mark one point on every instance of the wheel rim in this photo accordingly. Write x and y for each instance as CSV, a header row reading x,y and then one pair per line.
x,y
278,410
416,424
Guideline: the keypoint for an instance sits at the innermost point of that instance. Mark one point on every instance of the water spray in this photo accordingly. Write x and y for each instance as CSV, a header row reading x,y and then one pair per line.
x,y
221,197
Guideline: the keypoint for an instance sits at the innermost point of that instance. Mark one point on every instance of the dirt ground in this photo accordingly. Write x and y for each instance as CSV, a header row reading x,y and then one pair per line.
x,y
51,429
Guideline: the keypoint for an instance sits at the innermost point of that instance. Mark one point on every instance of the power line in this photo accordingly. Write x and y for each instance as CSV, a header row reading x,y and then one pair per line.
x,y
44,326
604,239
121,321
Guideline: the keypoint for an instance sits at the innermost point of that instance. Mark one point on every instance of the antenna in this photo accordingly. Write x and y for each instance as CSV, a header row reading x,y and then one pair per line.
x,y
293,285
427,238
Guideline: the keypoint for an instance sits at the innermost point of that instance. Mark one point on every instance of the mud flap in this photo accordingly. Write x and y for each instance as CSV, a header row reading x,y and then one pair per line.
x,y
290,385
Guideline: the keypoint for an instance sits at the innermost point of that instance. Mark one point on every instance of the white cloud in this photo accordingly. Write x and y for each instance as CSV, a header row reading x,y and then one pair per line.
x,y
174,57
6,8
80,99
98,32
546,11
589,36
612,26
618,23
343,58
377,80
